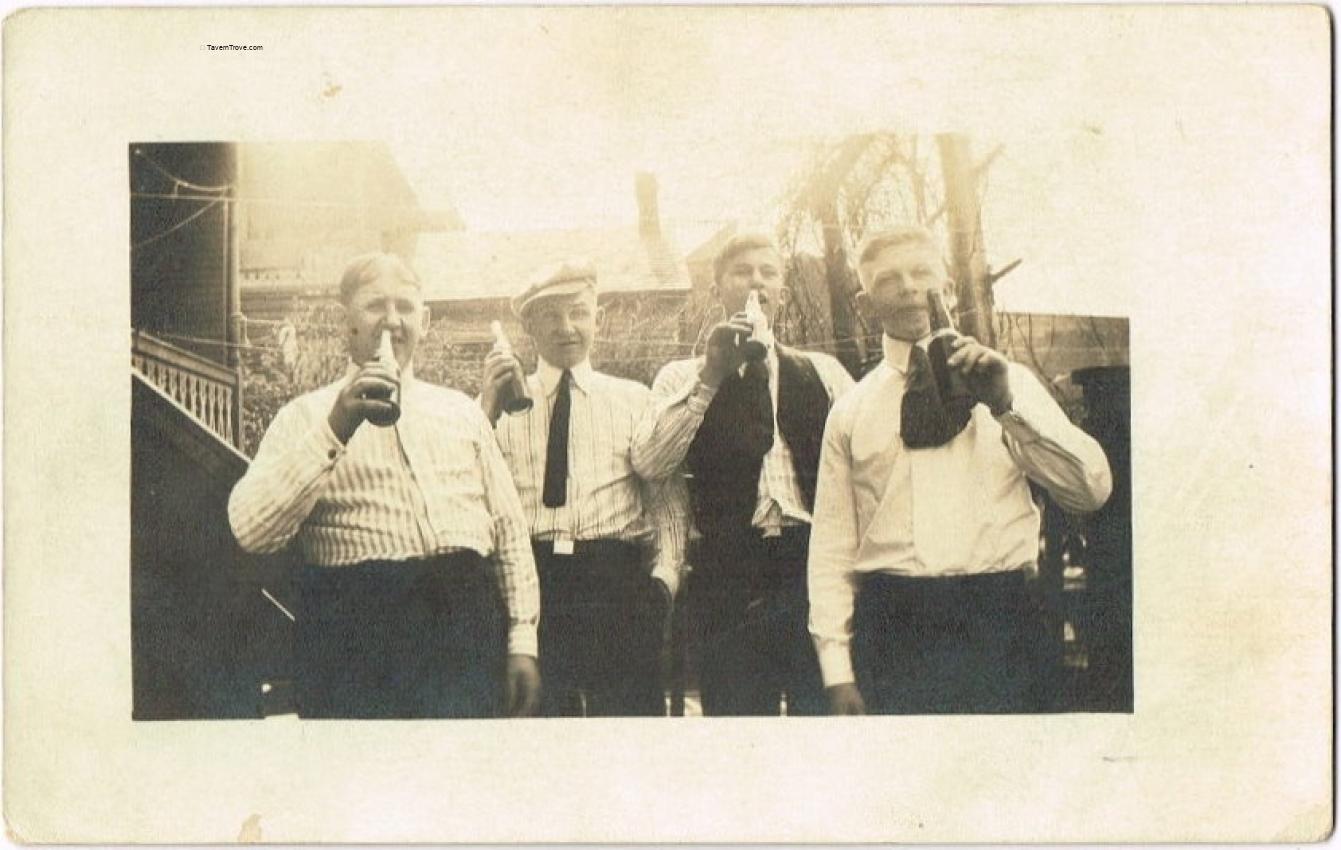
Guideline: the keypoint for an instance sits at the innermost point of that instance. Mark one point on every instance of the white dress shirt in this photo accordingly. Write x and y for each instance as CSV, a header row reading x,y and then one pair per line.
x,y
606,498
958,509
681,399
432,484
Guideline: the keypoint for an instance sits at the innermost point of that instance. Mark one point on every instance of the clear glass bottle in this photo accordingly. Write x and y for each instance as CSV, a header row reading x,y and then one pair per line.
x,y
753,346
514,397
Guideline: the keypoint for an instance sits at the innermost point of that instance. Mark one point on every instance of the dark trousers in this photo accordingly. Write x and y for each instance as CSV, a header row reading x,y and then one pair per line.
x,y
395,639
749,597
600,636
951,645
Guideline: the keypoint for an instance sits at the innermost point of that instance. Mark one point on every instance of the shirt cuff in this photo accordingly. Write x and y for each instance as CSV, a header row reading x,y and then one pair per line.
x,y
1016,423
522,640
323,445
700,397
835,660
668,576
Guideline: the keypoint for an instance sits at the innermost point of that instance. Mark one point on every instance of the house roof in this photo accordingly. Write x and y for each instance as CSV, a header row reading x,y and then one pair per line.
x,y
467,264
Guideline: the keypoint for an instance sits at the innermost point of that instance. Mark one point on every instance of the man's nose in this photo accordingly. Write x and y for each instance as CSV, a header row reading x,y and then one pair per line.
x,y
392,318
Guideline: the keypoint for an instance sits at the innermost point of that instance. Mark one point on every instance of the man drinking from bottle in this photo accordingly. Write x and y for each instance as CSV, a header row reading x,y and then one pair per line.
x,y
745,421
925,529
419,597
607,540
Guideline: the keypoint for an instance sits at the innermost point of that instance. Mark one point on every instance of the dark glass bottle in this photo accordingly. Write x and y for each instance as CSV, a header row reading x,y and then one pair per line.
x,y
386,355
949,382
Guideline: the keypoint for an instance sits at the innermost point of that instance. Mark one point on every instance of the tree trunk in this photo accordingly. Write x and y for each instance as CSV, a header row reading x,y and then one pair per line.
x,y
848,347
968,258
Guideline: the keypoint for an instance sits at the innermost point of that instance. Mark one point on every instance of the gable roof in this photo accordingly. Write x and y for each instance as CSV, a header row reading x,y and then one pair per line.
x,y
463,265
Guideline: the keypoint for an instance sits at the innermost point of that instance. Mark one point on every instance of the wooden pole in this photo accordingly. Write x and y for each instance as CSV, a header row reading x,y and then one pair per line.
x,y
233,288
968,263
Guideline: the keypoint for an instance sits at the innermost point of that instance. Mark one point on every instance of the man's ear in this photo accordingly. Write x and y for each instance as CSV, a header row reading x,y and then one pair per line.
x,y
425,320
347,319
784,295
600,319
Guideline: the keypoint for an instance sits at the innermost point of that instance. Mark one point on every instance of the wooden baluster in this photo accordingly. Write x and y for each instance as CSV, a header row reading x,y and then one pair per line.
x,y
227,395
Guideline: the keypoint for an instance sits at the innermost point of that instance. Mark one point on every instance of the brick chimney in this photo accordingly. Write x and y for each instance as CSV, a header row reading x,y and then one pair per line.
x,y
649,217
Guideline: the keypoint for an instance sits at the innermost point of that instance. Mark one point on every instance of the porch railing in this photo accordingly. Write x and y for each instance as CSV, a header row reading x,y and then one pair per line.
x,y
207,390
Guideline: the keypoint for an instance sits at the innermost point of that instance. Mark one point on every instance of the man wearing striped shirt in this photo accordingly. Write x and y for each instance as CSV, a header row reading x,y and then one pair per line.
x,y
596,525
419,597
749,434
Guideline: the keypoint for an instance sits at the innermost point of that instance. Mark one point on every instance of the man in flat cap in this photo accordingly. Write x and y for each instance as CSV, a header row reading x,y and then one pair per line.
x,y
607,542
748,431
419,598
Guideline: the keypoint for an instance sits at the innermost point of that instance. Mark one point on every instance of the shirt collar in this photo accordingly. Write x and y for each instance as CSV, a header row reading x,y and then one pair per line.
x,y
898,351
549,375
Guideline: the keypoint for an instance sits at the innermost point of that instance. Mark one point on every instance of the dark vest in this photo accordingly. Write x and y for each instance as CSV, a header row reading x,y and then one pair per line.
x,y
727,454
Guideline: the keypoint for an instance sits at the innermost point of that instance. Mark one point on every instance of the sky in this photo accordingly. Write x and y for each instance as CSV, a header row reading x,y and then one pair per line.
x,y
551,134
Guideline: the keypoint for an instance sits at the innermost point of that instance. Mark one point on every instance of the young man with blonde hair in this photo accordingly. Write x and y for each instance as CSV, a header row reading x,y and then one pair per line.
x,y
925,530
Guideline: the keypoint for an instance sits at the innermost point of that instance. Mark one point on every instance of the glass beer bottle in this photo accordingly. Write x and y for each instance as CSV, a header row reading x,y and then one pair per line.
x,y
949,382
386,355
753,346
513,395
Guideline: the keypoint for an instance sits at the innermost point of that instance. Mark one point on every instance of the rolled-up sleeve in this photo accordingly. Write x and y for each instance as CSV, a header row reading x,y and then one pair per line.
x,y
1051,450
663,436
281,486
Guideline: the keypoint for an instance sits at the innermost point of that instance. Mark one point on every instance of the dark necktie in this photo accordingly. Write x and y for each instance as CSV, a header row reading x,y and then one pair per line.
x,y
556,453
926,420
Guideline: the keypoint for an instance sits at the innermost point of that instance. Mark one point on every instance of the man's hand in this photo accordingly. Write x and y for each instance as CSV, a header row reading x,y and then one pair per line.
x,y
724,355
522,687
658,603
365,395
845,699
500,368
986,372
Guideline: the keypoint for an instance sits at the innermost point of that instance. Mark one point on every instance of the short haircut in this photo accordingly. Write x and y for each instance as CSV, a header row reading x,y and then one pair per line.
x,y
739,244
366,268
881,240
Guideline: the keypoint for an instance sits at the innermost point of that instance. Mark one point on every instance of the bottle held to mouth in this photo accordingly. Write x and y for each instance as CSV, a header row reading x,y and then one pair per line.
x,y
515,399
949,382
753,346
386,356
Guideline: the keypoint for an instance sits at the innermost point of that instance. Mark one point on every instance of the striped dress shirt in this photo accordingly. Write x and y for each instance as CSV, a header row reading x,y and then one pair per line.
x,y
667,431
606,498
432,484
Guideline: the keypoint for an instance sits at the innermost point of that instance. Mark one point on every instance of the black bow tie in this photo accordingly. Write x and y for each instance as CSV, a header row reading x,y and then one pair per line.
x,y
928,421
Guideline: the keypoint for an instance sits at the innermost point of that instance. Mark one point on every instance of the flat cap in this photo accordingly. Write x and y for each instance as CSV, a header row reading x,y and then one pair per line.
x,y
564,278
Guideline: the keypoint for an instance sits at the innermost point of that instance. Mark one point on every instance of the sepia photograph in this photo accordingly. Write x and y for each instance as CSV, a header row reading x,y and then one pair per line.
x,y
711,424
660,534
